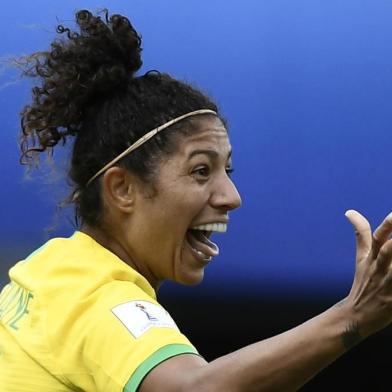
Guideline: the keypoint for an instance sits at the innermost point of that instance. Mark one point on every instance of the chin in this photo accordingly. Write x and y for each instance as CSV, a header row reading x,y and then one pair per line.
x,y
190,278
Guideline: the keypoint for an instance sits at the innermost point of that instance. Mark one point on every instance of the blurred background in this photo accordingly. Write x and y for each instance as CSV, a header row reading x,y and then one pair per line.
x,y
306,87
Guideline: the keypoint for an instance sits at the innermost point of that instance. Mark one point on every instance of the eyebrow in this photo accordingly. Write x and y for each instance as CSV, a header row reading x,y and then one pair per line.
x,y
211,153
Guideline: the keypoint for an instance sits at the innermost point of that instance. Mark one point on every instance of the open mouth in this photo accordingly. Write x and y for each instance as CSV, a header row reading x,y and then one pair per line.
x,y
199,240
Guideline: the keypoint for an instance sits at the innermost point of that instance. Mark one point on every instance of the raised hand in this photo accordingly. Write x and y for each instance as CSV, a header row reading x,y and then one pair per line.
x,y
370,298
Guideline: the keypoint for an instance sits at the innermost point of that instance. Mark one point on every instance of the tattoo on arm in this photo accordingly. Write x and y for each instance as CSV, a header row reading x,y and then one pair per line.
x,y
340,303
351,336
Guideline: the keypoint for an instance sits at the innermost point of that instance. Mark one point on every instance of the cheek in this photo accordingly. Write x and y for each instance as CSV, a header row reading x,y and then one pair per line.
x,y
192,205
189,199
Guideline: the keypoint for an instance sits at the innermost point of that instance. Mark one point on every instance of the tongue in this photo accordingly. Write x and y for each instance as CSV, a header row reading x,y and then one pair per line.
x,y
200,242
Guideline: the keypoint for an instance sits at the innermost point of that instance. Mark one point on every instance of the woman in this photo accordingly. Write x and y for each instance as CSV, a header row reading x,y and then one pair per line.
x,y
150,165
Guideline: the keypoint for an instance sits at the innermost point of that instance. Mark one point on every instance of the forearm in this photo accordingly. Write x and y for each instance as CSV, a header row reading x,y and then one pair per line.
x,y
284,362
287,361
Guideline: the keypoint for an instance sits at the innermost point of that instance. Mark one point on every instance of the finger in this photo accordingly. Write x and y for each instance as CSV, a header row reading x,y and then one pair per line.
x,y
382,234
384,257
363,233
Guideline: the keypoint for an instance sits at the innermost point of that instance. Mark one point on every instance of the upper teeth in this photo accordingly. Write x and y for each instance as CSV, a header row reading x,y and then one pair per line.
x,y
219,227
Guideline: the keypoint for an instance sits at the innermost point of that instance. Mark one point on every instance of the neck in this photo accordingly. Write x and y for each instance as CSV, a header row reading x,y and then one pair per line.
x,y
116,246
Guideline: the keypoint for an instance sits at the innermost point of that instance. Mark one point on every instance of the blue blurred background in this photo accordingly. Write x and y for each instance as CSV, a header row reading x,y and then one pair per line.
x,y
307,89
306,86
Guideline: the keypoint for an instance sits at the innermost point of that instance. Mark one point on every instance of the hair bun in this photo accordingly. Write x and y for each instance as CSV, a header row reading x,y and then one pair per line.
x,y
99,59
79,70
116,42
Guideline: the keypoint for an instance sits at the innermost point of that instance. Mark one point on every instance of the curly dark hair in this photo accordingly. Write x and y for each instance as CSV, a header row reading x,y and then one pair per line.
x,y
89,91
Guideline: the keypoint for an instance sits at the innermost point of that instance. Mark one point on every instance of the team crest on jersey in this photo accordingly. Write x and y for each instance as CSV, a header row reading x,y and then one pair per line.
x,y
139,316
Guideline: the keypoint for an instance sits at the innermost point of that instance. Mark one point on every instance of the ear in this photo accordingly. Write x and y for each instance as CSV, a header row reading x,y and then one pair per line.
x,y
118,186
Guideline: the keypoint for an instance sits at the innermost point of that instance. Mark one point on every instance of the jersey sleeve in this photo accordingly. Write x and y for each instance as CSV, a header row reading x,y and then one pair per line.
x,y
127,333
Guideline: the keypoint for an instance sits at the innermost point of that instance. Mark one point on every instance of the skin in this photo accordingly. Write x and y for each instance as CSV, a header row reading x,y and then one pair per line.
x,y
193,187
149,233
287,361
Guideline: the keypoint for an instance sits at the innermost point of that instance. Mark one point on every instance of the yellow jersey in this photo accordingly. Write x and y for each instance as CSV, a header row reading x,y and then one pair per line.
x,y
76,317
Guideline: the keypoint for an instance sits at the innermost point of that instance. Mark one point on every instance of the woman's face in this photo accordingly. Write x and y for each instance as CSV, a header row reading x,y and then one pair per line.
x,y
194,193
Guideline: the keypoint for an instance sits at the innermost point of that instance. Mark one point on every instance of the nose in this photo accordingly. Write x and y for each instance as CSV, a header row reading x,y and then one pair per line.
x,y
225,195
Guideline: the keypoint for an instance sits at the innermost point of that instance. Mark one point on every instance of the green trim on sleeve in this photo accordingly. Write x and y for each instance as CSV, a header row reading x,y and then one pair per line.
x,y
166,352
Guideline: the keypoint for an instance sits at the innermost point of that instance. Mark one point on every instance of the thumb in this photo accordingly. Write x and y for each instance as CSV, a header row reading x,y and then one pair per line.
x,y
363,233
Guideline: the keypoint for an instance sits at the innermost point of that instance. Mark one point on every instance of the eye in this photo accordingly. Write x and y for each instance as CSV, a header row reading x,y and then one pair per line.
x,y
229,171
201,172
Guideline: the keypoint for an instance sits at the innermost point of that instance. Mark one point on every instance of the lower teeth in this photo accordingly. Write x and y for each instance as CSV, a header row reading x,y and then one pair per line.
x,y
201,254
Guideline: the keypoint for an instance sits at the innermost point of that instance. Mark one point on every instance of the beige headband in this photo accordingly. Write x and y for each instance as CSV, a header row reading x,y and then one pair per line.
x,y
146,137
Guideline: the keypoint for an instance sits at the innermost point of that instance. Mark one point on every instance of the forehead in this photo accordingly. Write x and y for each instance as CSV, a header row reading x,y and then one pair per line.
x,y
211,134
